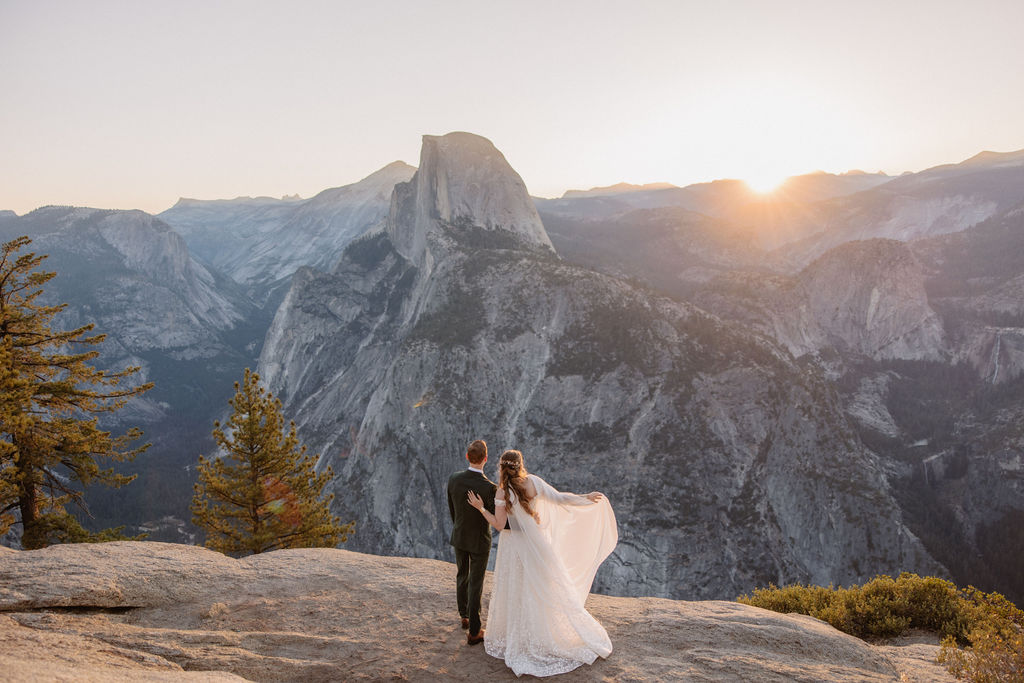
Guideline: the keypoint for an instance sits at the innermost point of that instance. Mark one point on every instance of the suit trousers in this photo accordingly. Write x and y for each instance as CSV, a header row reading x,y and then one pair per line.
x,y
469,584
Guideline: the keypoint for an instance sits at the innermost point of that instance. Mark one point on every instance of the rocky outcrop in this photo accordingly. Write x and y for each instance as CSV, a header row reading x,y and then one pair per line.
x,y
162,612
869,298
261,242
728,464
863,298
867,406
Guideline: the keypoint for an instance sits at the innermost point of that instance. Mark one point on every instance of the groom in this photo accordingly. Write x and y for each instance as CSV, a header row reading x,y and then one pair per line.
x,y
471,536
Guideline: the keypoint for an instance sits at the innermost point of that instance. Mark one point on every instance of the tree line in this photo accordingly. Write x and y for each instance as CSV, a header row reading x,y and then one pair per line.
x,y
259,492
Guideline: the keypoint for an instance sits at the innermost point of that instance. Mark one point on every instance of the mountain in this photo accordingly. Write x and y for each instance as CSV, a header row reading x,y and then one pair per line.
x,y
261,242
791,212
819,186
669,249
941,200
977,281
457,321
924,341
715,199
618,188
682,238
189,328
971,478
863,298
725,199
463,184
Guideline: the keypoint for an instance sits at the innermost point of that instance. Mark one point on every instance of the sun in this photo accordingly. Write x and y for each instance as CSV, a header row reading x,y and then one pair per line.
x,y
770,124
764,183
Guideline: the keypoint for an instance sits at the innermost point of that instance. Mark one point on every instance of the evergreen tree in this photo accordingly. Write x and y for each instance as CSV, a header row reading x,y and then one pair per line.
x,y
51,444
264,494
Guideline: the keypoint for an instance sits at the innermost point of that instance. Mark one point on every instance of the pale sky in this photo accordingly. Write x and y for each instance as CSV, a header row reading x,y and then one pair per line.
x,y
133,104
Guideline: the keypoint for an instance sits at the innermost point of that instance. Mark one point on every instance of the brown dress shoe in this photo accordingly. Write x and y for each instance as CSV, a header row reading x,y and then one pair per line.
x,y
478,638
465,622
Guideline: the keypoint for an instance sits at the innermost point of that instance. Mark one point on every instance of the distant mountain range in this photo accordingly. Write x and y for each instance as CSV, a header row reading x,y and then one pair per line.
x,y
261,242
815,385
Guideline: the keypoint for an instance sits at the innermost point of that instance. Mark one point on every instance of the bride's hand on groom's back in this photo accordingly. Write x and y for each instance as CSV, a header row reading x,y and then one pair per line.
x,y
475,500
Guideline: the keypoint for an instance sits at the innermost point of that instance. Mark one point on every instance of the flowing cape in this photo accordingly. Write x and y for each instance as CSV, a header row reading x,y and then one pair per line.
x,y
580,534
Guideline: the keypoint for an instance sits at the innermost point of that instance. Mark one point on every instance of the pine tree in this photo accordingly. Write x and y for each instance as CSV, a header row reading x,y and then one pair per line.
x,y
264,494
51,445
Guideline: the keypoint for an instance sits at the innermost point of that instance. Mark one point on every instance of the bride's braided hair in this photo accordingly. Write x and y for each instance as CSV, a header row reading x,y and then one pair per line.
x,y
512,475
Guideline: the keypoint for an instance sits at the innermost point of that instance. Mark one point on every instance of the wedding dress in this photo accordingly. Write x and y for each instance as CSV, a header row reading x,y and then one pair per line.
x,y
536,620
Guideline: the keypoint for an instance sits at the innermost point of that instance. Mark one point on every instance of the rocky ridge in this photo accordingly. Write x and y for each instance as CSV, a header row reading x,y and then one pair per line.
x,y
942,200
120,247
162,612
799,207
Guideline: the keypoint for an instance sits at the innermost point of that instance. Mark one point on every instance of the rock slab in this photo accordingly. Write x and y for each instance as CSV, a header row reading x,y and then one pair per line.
x,y
156,611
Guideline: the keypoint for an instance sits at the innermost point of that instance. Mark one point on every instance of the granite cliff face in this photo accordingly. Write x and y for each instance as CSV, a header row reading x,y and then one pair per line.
x,y
729,465
863,298
464,182
261,242
131,275
925,343
977,281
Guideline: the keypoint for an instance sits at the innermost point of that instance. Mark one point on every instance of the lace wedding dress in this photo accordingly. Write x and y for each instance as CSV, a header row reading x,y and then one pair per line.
x,y
536,620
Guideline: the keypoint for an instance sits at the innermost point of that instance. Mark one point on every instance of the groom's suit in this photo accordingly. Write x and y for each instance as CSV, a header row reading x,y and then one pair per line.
x,y
471,538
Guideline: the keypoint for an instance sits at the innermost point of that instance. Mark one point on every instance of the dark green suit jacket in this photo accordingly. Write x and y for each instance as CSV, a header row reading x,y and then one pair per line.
x,y
470,531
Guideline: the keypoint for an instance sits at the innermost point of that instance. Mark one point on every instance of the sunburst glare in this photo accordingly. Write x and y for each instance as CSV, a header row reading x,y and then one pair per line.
x,y
764,183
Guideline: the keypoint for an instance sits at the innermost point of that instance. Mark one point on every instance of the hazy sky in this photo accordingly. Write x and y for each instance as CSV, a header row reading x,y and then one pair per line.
x,y
133,104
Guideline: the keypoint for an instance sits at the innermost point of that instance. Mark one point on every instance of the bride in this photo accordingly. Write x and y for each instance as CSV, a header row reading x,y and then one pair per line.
x,y
546,563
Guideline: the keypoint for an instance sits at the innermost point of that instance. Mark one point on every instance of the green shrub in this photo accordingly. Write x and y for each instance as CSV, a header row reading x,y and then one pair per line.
x,y
990,626
800,599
